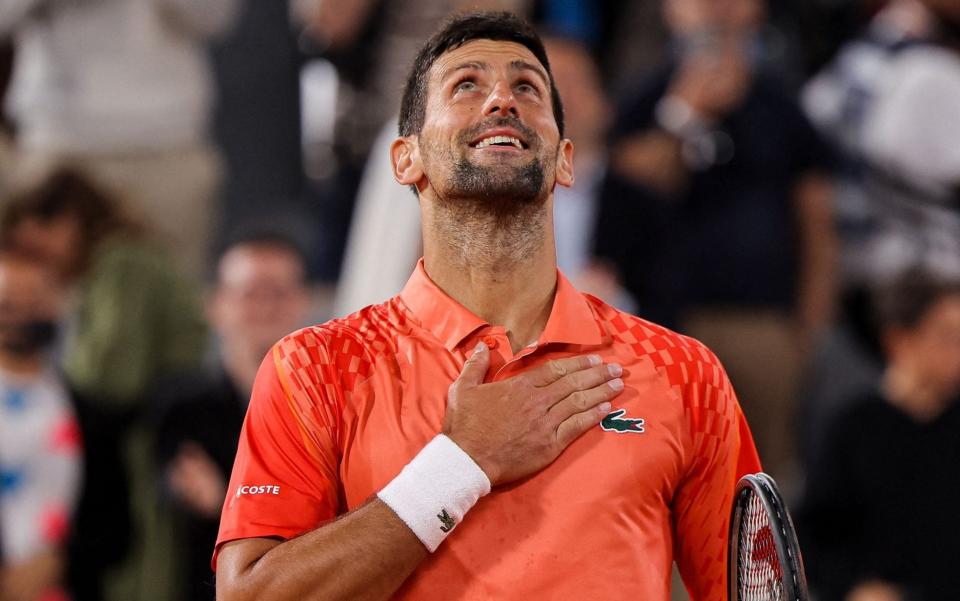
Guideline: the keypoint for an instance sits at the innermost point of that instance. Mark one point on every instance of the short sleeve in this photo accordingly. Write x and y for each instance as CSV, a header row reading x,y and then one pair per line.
x,y
722,450
285,477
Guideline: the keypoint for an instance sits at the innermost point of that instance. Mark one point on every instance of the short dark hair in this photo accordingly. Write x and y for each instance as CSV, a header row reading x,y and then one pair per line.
x,y
68,191
906,301
263,237
457,31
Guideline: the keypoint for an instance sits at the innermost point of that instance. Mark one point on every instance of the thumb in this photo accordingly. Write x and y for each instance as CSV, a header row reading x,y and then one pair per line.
x,y
475,369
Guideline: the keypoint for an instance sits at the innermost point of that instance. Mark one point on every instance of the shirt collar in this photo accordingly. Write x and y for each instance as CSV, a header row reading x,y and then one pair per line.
x,y
571,319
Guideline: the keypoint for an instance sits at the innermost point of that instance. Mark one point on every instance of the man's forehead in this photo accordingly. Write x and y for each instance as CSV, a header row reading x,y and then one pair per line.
x,y
490,52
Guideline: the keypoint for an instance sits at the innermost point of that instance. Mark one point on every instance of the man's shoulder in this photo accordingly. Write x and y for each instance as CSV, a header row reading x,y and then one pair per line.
x,y
349,345
365,323
684,359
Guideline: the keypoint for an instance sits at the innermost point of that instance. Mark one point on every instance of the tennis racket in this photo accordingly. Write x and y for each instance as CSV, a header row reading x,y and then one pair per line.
x,y
764,560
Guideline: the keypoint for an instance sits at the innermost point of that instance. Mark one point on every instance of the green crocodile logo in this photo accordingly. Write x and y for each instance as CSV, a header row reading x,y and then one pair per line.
x,y
613,423
447,521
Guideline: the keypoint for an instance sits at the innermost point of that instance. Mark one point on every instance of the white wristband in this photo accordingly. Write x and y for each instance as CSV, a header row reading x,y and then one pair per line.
x,y
435,490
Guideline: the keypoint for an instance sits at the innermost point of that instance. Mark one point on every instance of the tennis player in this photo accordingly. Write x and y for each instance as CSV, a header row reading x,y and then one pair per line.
x,y
490,432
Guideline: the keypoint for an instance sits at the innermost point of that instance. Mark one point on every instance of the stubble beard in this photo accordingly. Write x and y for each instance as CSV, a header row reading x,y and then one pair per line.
x,y
491,215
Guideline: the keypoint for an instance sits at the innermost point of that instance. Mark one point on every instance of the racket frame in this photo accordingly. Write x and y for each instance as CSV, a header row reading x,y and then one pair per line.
x,y
784,536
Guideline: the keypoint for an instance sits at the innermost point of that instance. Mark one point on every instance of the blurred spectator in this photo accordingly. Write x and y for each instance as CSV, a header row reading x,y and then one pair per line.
x,y
913,124
717,211
588,116
889,104
135,320
384,242
878,513
40,455
260,295
257,121
123,88
893,212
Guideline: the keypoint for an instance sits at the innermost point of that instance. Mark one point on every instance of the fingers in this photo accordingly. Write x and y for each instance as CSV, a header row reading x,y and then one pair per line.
x,y
578,423
582,380
585,400
551,371
475,368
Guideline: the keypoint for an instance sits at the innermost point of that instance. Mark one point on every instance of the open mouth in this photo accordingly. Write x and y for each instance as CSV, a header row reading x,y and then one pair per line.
x,y
500,141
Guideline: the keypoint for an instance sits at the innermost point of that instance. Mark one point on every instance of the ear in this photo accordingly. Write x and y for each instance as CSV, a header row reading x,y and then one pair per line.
x,y
405,158
565,163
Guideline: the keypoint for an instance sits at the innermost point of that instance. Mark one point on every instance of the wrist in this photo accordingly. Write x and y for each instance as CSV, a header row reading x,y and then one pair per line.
x,y
435,490
489,468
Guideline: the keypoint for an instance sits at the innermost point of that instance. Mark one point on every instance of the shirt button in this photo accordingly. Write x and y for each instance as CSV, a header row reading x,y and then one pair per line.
x,y
490,341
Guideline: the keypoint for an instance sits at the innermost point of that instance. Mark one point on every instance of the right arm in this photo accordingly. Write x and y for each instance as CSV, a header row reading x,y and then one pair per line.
x,y
369,552
364,555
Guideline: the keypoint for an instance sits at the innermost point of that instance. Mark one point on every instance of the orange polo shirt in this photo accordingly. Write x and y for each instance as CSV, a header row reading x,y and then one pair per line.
x,y
338,409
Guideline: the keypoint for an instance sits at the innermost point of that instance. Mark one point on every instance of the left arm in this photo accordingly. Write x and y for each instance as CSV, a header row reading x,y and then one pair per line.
x,y
719,451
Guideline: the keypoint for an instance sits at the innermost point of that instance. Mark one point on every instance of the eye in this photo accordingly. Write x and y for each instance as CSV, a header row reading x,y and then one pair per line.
x,y
467,85
525,87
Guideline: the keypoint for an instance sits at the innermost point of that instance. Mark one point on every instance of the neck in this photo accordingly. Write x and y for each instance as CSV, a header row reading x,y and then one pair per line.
x,y
504,270
913,394
21,366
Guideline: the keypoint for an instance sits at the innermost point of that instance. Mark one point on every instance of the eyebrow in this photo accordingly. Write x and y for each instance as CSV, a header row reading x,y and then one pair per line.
x,y
522,65
472,65
518,65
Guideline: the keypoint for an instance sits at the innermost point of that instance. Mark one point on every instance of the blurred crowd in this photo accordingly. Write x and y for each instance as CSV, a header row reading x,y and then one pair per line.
x,y
184,182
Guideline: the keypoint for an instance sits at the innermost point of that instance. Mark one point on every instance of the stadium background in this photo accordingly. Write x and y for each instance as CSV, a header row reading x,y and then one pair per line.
x,y
814,180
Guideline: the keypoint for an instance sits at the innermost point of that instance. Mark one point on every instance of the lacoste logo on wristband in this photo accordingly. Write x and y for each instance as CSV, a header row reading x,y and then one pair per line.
x,y
263,489
614,423
447,522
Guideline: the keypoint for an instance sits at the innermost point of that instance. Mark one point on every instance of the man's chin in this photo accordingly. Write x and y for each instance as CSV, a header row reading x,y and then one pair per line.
x,y
507,194
504,184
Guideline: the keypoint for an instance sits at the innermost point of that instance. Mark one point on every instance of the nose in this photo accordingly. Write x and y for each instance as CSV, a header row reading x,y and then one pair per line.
x,y
501,101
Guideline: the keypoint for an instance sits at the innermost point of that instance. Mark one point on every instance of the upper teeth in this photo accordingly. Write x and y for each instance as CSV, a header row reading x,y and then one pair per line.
x,y
499,140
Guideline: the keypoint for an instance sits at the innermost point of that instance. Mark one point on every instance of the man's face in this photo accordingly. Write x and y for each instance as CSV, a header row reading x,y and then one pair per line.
x,y
261,296
55,242
489,133
931,349
29,296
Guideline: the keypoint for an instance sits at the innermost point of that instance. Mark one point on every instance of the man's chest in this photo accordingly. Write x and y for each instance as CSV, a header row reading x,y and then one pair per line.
x,y
630,462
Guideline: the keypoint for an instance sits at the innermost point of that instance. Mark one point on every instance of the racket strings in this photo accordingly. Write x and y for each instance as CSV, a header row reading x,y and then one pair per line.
x,y
760,571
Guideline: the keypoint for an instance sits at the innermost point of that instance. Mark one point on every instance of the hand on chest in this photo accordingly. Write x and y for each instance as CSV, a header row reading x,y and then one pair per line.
x,y
636,451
